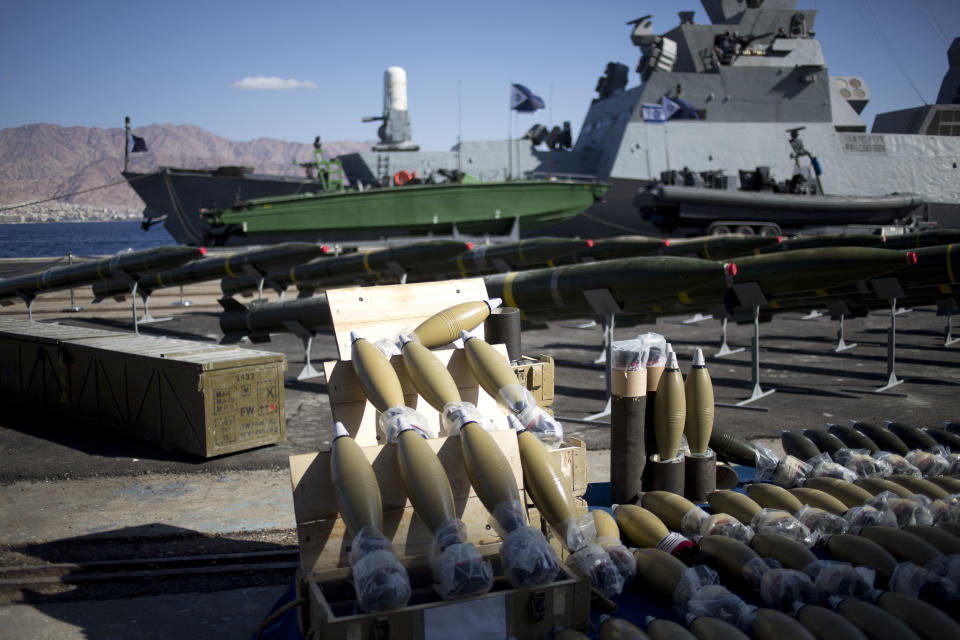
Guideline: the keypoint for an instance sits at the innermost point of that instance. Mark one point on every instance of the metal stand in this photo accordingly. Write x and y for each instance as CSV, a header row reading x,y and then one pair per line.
x,y
120,274
839,310
604,305
890,289
398,271
147,318
28,299
751,294
947,307
725,350
697,317
306,337
259,276
812,315
181,302
73,308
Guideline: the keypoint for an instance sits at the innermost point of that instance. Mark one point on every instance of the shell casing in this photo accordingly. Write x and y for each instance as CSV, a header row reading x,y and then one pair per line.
x,y
913,437
769,624
355,486
659,569
852,438
488,470
640,527
732,447
445,326
620,629
902,545
670,413
741,507
491,369
606,525
544,482
788,552
376,375
798,445
885,439
879,485
726,554
669,507
846,492
820,500
944,542
826,624
824,440
698,390
663,629
424,480
919,485
875,622
925,619
771,496
862,552
431,379
707,628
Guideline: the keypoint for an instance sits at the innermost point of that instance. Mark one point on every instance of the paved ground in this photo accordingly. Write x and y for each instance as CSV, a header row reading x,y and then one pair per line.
x,y
62,482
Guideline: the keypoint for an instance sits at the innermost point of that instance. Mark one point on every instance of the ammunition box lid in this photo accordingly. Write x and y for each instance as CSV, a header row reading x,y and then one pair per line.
x,y
149,346
26,330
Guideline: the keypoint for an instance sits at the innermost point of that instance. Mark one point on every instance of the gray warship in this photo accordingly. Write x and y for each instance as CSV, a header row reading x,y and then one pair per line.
x,y
736,125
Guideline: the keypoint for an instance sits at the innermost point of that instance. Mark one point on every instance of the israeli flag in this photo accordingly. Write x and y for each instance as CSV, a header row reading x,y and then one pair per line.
x,y
654,113
669,106
522,99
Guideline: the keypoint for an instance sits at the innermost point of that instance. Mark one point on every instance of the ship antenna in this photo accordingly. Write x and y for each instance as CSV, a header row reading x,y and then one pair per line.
x,y
459,139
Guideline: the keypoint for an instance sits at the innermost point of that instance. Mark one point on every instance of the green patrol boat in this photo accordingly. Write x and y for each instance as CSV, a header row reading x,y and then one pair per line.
x,y
462,208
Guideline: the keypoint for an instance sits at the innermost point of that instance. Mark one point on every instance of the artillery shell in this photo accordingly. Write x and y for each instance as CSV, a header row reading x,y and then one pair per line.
x,y
903,545
669,507
640,527
736,504
862,552
769,624
919,485
820,500
798,445
771,496
788,552
826,624
846,492
875,623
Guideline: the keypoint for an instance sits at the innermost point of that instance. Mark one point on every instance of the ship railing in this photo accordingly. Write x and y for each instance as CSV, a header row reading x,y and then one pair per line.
x,y
553,175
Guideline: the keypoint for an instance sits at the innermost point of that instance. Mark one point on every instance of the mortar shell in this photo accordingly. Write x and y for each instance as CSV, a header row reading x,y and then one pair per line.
x,y
727,555
488,470
862,552
926,620
826,624
913,437
606,524
658,569
876,623
640,527
736,504
355,486
771,496
820,500
620,629
429,376
490,368
846,492
919,485
668,507
670,412
445,326
663,629
943,541
376,375
698,391
885,439
879,485
424,480
769,624
824,440
788,552
852,438
707,628
798,445
902,545
732,447
544,483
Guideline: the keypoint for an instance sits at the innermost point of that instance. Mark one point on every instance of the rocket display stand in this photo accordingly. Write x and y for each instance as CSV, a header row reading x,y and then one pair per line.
x,y
890,289
724,349
306,338
947,307
750,295
604,305
840,310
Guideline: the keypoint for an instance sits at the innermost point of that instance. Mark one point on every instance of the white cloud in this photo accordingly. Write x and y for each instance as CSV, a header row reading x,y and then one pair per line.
x,y
273,83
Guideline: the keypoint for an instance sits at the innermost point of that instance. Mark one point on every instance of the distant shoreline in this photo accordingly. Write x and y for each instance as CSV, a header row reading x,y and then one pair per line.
x,y
62,212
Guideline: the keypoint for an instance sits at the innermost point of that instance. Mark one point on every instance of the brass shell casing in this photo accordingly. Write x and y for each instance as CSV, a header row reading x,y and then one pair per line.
x,y
487,467
544,482
769,624
670,413
698,390
377,378
771,496
820,500
787,551
489,367
355,486
846,492
431,379
424,480
669,507
863,552
607,526
640,527
445,326
736,504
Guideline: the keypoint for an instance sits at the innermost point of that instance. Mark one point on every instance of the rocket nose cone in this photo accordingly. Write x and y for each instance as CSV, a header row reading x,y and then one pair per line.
x,y
339,430
698,359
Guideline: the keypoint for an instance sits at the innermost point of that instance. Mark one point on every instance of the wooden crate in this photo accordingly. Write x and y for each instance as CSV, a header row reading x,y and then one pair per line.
x,y
536,374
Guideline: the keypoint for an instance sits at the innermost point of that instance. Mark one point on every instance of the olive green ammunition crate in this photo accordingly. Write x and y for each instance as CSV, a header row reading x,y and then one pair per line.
x,y
536,374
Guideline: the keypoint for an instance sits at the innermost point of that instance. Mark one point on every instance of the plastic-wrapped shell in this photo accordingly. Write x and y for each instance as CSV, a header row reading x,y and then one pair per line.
x,y
876,623
445,326
879,485
852,438
886,440
732,447
640,527
376,375
846,492
929,622
945,438
913,437
798,445
706,628
424,480
658,569
355,486
820,500
945,542
919,485
543,480
771,496
663,629
824,440
487,467
826,624
605,524
736,504
789,553
903,545
669,507
489,367
620,629
726,555
769,624
429,376
862,552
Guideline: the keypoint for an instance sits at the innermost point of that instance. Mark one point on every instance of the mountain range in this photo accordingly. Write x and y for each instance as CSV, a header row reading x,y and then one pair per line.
x,y
39,161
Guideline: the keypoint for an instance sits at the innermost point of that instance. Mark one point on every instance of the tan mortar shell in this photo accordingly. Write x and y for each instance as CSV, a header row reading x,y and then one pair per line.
x,y
640,527
787,551
606,525
707,628
846,492
943,541
922,617
741,507
879,485
355,486
875,623
570,634
862,552
490,368
658,569
919,485
445,326
769,624
726,554
377,378
429,376
901,544
487,467
669,507
670,413
820,500
663,629
771,496
620,629
424,480
951,485
827,624
544,482
698,390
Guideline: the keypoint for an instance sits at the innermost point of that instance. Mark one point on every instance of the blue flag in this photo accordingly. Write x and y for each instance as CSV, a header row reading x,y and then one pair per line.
x,y
654,113
522,99
137,144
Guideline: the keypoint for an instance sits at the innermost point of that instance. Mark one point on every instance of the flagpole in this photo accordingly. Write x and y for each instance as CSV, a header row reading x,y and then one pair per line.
x,y
126,144
509,137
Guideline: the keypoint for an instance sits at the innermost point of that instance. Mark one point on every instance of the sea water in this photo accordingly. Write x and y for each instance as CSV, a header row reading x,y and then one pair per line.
x,y
82,239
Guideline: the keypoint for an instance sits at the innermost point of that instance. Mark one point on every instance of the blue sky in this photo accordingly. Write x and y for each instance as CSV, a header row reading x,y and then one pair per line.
x,y
176,62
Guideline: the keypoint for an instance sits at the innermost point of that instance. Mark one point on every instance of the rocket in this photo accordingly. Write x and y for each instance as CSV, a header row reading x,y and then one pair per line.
x,y
815,241
458,568
447,325
380,580
261,318
528,560
698,391
670,410
622,247
719,247
506,256
920,239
